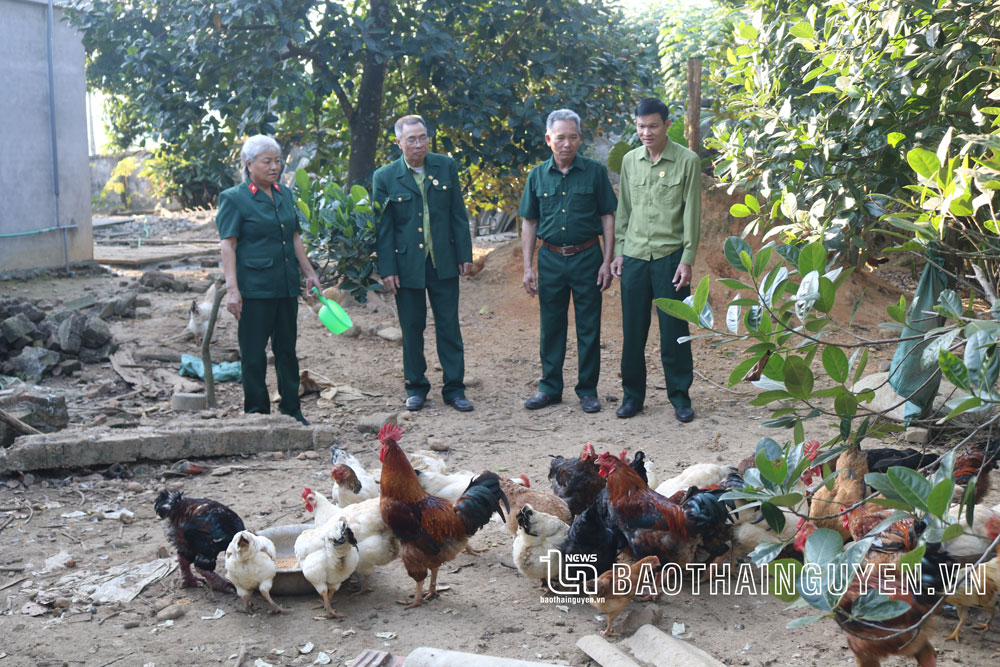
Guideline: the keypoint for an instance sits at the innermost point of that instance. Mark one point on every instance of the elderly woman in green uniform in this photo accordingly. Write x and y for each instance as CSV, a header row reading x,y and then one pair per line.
x,y
262,255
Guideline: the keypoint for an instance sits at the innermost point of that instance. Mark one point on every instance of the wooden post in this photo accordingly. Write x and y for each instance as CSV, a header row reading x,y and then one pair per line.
x,y
206,344
692,122
17,424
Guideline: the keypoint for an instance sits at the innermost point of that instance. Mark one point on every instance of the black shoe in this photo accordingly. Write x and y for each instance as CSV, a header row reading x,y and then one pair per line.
x,y
541,400
460,403
684,415
590,403
303,421
415,402
628,409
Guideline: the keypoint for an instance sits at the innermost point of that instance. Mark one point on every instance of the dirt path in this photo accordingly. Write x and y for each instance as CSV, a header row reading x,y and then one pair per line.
x,y
489,607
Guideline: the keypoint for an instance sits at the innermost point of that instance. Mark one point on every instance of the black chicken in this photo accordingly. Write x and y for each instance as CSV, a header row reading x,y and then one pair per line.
x,y
199,529
576,480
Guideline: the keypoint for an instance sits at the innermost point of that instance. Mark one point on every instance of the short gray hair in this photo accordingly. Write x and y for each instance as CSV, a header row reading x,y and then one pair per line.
x,y
562,114
412,119
254,146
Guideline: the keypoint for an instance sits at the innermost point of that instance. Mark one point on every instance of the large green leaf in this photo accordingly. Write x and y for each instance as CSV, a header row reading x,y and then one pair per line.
x,y
910,485
616,155
678,309
954,369
923,161
798,377
812,258
835,363
732,248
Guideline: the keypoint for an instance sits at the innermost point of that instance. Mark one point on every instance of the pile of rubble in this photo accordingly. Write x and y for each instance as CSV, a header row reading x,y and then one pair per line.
x,y
36,338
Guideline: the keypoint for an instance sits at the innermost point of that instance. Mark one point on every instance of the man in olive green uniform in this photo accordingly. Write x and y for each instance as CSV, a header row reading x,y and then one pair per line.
x,y
568,204
423,245
656,238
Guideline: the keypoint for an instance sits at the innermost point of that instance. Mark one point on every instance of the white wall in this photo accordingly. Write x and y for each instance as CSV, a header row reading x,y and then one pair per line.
x,y
27,198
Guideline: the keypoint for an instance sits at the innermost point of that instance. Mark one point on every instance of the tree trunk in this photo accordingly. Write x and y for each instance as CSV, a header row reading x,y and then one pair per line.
x,y
364,122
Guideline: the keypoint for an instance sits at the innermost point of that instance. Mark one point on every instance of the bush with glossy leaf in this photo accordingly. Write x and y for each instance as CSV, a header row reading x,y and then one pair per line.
x,y
338,232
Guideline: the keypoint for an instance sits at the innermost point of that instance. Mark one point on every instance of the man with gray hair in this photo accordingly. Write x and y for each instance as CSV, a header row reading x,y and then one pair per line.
x,y
568,204
423,244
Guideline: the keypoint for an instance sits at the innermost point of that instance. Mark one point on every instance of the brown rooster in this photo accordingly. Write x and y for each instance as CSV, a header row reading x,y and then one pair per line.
x,y
613,604
199,528
693,530
871,641
431,530
977,461
848,489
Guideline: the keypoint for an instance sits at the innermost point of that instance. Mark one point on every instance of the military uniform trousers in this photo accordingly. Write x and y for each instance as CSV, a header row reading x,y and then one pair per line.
x,y
412,307
641,282
558,277
260,320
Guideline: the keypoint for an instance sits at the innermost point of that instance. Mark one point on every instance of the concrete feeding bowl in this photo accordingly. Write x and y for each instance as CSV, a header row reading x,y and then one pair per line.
x,y
288,580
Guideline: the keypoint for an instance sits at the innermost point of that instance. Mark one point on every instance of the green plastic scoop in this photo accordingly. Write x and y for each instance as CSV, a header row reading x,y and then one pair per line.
x,y
332,315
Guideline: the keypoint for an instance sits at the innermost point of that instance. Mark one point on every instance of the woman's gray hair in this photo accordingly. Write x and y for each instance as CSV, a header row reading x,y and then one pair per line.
x,y
254,146
562,114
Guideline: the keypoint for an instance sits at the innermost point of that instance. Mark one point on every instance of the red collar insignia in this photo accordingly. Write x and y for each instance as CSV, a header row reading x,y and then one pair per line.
x,y
276,188
253,188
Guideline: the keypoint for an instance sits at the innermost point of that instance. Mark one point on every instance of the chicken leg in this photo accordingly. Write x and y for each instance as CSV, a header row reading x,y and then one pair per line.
x,y
608,632
189,580
419,598
275,608
330,613
963,615
216,582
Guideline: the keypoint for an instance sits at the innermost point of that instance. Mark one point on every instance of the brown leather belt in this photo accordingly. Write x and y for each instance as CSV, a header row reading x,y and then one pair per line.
x,y
568,250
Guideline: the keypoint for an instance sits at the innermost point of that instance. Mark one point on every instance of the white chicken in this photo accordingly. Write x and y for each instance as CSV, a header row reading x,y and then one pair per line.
x,y
425,459
328,567
700,475
376,544
973,543
448,486
538,534
352,485
251,562
200,313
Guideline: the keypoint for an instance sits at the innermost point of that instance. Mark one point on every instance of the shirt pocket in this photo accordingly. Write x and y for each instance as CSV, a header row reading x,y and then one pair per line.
x,y
401,205
548,200
581,201
668,190
258,273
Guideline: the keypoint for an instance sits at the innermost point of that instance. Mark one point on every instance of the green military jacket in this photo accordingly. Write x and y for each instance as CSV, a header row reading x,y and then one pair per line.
x,y
266,266
399,241
568,207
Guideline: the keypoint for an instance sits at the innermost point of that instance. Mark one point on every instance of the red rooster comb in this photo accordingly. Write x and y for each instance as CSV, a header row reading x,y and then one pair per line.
x,y
624,455
524,478
390,432
993,528
812,449
588,451
305,494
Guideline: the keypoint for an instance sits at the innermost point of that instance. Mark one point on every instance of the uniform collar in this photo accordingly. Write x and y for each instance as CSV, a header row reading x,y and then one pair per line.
x,y
667,154
254,189
575,164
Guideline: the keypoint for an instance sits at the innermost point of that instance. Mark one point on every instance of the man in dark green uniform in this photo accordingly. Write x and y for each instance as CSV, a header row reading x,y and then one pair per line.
x,y
656,238
568,204
262,254
423,245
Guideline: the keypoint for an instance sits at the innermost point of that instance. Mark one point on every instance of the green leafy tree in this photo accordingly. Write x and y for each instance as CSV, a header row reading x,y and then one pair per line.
x,y
830,97
203,74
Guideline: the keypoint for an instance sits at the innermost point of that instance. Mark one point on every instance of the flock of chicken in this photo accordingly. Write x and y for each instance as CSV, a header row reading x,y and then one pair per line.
x,y
602,509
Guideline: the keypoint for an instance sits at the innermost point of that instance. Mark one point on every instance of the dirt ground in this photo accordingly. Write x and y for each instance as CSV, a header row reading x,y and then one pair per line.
x,y
489,608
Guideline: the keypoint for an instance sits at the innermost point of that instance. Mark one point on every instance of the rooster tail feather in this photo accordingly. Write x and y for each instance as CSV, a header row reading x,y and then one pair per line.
x,y
481,499
705,511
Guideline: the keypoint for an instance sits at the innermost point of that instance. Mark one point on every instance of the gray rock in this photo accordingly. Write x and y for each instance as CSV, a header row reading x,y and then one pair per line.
x,y
92,355
69,335
68,367
17,329
81,303
393,334
157,280
95,332
33,362
30,310
373,423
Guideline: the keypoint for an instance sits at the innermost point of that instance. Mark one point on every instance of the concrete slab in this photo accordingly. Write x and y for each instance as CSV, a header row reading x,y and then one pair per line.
x,y
605,653
123,255
651,645
436,657
174,441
